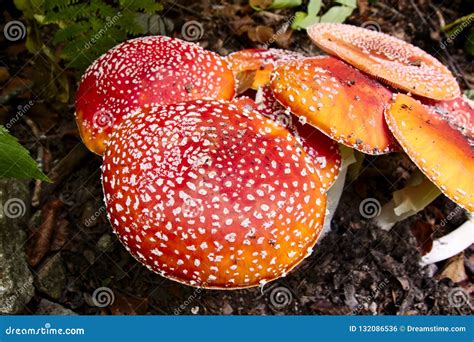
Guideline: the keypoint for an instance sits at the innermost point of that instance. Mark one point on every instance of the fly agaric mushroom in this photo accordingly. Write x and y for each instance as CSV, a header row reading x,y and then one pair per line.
x,y
211,195
339,100
387,58
444,152
154,69
324,152
252,67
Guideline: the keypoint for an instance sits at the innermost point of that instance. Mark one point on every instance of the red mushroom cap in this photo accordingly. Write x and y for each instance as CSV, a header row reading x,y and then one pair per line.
x,y
338,99
458,113
391,60
145,70
252,67
436,145
211,195
321,150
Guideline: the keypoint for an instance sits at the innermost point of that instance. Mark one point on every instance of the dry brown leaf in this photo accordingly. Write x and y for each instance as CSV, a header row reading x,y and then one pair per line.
x,y
262,4
422,231
454,269
41,238
261,34
61,235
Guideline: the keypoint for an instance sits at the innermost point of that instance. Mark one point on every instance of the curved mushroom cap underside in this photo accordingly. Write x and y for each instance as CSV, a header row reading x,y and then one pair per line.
x,y
338,99
390,59
153,69
211,195
438,148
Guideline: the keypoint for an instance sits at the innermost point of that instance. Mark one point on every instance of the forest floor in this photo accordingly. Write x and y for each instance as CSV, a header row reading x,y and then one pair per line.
x,y
356,269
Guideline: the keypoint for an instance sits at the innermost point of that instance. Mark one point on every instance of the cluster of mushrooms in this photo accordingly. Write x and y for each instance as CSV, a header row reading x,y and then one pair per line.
x,y
222,172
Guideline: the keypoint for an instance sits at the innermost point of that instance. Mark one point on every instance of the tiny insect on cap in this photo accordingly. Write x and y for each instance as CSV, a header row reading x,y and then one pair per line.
x,y
145,70
338,99
211,195
436,145
390,59
252,67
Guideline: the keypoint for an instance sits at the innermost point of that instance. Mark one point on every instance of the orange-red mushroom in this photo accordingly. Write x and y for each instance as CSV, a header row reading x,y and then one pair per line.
x,y
211,195
390,59
436,144
141,71
338,99
252,67
322,151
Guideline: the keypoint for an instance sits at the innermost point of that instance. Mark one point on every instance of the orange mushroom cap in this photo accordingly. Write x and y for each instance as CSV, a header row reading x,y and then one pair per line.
x,y
154,69
436,146
338,99
390,59
252,67
211,195
458,112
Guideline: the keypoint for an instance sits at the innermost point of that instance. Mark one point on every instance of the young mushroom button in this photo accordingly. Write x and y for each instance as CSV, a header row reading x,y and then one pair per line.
x,y
387,58
211,195
141,71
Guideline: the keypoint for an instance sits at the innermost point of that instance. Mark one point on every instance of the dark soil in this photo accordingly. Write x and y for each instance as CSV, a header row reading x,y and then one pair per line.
x,y
356,269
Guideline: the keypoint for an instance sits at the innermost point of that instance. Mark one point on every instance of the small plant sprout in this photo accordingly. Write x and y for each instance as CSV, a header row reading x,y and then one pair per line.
x,y
393,61
145,70
261,205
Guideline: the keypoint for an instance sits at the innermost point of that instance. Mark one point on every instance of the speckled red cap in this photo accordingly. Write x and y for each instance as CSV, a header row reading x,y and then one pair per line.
x,y
437,145
254,66
458,113
338,99
154,69
212,195
322,151
390,59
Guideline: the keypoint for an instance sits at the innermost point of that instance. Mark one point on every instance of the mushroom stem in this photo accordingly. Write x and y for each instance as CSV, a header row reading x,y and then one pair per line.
x,y
418,193
452,243
335,191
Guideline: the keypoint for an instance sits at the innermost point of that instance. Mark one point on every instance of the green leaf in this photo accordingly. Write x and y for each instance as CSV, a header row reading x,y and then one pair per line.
x,y
15,160
314,7
469,93
337,14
